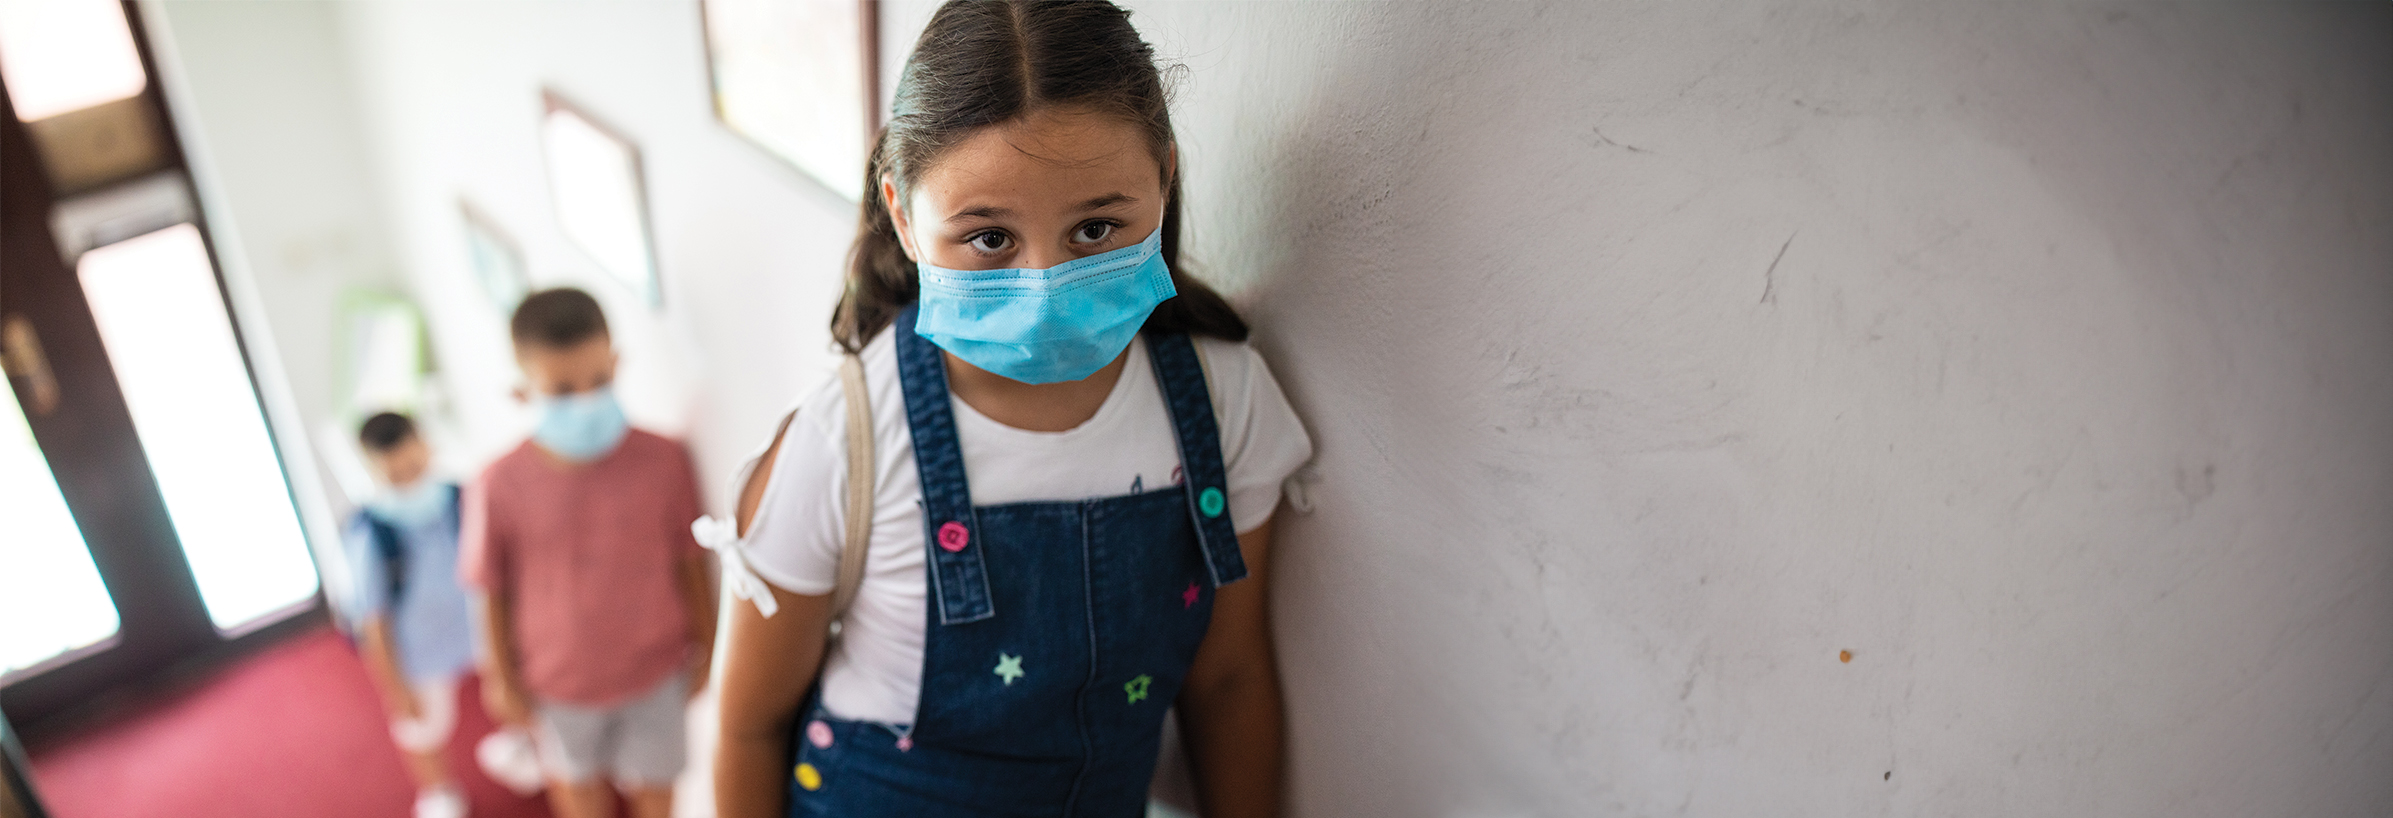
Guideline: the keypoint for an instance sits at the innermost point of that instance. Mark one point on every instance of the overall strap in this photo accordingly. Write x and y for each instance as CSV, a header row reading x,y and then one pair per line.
x,y
959,580
1181,371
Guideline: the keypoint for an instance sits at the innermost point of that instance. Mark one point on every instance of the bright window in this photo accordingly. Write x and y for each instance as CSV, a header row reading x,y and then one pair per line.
x,y
594,182
170,340
50,594
66,55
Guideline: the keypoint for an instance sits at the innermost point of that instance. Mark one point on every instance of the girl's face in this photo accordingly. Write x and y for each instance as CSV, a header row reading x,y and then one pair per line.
x,y
1035,193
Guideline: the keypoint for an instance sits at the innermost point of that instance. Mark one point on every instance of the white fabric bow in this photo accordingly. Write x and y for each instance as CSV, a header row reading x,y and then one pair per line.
x,y
719,534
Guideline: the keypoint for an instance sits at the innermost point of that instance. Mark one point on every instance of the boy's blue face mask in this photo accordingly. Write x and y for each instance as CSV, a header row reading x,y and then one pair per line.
x,y
581,426
1062,323
416,506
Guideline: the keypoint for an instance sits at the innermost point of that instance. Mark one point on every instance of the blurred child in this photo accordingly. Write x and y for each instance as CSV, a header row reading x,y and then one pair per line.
x,y
414,631
597,610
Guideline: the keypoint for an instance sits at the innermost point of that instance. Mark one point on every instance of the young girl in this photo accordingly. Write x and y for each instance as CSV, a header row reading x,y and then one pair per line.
x,y
1077,463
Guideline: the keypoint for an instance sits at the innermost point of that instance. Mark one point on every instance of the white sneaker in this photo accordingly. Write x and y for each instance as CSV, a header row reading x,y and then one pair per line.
x,y
506,755
445,802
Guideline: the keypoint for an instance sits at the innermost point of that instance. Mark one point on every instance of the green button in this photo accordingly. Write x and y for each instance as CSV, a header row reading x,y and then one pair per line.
x,y
1210,502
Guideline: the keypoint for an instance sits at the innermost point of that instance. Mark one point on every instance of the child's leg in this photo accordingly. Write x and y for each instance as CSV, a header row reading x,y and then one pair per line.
x,y
653,746
429,768
581,799
572,742
651,802
424,739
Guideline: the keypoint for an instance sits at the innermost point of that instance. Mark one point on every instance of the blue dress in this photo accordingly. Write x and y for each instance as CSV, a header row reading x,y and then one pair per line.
x,y
1058,633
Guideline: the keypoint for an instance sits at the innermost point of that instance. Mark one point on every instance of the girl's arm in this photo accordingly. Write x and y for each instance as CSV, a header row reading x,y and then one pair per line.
x,y
1230,708
766,667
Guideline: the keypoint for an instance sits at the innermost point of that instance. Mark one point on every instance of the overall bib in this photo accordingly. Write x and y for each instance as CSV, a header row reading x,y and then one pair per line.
x,y
1058,633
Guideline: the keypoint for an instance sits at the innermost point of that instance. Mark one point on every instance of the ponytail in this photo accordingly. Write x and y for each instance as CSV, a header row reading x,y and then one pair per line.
x,y
1197,310
880,280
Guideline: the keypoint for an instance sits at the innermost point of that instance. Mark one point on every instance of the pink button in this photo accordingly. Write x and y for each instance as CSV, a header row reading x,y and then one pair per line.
x,y
819,733
953,537
905,743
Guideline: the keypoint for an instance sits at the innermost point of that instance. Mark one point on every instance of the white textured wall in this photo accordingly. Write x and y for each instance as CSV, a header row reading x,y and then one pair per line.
x,y
281,141
2035,354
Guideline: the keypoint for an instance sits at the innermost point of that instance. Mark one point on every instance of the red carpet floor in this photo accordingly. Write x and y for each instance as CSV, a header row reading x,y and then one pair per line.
x,y
295,731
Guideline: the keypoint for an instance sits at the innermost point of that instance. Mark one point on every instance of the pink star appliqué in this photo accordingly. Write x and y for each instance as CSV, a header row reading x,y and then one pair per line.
x,y
1188,597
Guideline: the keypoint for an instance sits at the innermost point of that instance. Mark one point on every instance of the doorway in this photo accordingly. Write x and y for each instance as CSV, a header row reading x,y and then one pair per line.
x,y
149,519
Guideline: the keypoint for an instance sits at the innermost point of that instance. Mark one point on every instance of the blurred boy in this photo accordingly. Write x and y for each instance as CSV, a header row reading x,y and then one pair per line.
x,y
414,633
597,610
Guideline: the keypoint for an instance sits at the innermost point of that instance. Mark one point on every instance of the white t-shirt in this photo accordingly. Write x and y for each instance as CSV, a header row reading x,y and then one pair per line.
x,y
874,673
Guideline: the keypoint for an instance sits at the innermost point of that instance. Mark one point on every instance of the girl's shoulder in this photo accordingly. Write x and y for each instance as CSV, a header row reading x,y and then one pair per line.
x,y
1234,371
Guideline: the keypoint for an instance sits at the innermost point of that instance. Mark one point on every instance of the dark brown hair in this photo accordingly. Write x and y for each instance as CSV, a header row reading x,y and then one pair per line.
x,y
385,431
556,318
986,62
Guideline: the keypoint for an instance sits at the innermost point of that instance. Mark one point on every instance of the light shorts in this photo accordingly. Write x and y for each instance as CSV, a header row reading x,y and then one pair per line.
x,y
436,716
636,744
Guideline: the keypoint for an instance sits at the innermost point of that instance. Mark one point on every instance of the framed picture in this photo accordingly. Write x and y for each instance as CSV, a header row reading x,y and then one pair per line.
x,y
594,183
497,260
385,353
799,78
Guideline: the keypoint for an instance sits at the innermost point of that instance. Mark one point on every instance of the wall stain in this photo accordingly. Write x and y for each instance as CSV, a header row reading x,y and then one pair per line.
x,y
1770,275
2196,485
1605,141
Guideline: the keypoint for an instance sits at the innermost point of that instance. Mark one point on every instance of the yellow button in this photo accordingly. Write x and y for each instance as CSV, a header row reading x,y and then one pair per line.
x,y
809,777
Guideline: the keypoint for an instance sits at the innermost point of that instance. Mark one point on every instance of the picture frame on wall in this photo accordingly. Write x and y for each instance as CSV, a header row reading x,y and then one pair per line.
x,y
800,80
496,258
599,194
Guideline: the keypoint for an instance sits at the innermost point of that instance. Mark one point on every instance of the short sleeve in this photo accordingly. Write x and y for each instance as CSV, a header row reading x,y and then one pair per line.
x,y
482,546
1262,441
372,577
795,538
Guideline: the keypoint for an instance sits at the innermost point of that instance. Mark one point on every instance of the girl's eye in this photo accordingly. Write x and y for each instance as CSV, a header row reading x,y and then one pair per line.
x,y
1093,232
988,242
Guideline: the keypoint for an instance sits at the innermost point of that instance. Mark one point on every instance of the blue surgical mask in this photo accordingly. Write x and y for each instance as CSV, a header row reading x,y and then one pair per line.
x,y
1062,323
581,426
419,504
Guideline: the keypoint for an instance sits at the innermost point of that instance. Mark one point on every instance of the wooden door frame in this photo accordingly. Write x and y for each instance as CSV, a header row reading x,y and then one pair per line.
x,y
164,634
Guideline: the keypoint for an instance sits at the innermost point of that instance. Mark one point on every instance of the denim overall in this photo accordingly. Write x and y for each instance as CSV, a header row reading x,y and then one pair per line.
x,y
1059,632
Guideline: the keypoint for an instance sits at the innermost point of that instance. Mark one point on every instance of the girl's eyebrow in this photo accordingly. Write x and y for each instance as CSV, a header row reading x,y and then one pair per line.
x,y
994,213
983,212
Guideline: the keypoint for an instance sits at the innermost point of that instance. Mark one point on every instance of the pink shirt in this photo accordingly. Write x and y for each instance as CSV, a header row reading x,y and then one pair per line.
x,y
587,556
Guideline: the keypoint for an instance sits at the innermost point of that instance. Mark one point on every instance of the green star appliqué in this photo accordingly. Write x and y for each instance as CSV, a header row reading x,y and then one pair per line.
x,y
1137,688
1009,667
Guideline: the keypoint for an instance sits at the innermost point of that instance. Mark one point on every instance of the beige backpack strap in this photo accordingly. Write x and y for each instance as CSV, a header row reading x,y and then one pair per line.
x,y
860,484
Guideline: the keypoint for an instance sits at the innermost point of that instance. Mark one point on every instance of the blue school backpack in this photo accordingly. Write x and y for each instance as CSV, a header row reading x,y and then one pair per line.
x,y
389,551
